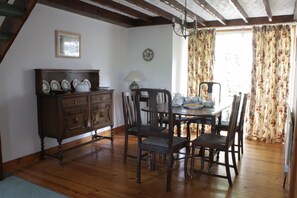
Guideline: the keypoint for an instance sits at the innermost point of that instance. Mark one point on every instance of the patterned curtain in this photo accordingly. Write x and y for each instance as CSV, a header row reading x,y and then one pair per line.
x,y
270,77
200,59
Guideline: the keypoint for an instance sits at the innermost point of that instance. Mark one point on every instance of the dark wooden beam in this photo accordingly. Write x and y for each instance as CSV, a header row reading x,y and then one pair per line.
x,y
268,9
124,9
154,9
89,10
207,7
179,7
240,10
295,10
252,21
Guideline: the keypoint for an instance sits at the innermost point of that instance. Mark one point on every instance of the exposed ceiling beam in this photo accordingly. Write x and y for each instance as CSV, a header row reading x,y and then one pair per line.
x,y
181,8
125,9
268,9
240,10
88,10
252,21
203,4
152,8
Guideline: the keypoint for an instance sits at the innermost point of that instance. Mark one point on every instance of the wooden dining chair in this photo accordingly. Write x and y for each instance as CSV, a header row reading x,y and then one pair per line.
x,y
130,120
177,121
158,142
239,128
217,142
207,91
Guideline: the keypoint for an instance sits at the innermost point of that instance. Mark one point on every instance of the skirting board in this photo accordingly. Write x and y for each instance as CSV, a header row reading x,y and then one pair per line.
x,y
27,160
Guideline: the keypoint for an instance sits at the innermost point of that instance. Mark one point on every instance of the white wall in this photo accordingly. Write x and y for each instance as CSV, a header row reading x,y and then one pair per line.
x,y
112,49
157,72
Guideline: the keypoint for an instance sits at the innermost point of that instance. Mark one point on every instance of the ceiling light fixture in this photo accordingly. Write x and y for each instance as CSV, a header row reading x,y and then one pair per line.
x,y
181,29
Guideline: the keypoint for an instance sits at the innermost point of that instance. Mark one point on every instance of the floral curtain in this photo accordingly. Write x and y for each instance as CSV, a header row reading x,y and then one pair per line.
x,y
269,84
200,59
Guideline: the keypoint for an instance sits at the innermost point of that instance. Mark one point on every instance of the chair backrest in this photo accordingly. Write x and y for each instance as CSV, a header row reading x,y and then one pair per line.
x,y
129,109
154,109
210,91
233,121
242,113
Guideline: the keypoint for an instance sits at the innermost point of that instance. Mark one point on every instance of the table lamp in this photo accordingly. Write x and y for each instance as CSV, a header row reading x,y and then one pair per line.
x,y
134,77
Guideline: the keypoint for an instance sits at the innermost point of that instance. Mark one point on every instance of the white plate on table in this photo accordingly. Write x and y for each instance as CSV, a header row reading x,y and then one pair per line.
x,y
193,106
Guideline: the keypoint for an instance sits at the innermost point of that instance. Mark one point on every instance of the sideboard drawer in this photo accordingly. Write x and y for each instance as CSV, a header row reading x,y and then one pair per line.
x,y
101,97
73,101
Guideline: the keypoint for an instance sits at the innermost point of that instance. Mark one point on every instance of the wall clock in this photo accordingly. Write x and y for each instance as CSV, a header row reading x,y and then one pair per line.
x,y
148,54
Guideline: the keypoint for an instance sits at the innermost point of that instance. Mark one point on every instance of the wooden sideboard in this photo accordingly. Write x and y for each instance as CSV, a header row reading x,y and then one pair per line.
x,y
65,114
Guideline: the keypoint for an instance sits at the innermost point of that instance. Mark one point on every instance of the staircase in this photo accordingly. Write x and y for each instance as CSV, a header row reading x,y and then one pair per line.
x,y
13,14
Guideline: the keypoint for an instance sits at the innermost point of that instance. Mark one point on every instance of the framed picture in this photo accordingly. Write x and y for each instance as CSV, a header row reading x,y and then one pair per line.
x,y
67,44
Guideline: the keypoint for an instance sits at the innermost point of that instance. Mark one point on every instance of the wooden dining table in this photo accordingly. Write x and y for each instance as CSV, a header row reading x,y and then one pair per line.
x,y
211,113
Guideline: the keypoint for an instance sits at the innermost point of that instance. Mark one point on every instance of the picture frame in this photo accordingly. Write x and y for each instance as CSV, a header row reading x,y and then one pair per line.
x,y
68,44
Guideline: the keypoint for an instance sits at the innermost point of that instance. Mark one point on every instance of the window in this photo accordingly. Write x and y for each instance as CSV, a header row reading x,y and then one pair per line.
x,y
233,62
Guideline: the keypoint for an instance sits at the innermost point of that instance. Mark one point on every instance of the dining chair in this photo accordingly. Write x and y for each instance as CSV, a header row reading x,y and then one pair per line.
x,y
217,142
207,91
158,142
239,127
177,121
130,117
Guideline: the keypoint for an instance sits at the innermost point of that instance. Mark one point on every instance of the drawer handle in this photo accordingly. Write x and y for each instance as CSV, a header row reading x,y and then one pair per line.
x,y
75,120
101,98
75,102
101,115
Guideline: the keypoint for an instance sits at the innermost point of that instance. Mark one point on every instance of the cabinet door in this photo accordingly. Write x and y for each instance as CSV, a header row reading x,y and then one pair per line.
x,y
76,120
101,115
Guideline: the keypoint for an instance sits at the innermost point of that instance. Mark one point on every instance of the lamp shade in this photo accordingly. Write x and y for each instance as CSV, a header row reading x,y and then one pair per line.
x,y
134,76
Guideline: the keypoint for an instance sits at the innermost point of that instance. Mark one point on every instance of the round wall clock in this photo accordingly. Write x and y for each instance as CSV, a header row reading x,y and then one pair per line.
x,y
148,54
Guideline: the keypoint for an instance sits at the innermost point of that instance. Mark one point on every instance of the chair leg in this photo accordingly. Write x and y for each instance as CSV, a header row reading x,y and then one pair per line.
x,y
241,141
125,148
192,160
186,161
169,171
238,145
138,171
228,167
234,159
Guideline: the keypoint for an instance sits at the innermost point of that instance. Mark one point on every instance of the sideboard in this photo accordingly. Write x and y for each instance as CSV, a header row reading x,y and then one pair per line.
x,y
67,113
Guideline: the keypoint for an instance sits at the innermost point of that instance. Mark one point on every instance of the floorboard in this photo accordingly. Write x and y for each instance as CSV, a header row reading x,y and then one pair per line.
x,y
97,170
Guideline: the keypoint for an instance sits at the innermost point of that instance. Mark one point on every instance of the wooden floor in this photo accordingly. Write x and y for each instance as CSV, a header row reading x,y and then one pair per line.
x,y
97,170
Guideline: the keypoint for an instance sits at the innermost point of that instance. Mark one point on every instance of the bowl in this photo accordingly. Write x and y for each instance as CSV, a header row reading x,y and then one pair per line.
x,y
82,87
208,103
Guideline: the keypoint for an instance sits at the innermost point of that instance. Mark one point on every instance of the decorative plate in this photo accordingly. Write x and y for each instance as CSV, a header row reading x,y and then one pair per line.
x,y
65,85
148,54
86,81
75,82
55,85
45,87
193,106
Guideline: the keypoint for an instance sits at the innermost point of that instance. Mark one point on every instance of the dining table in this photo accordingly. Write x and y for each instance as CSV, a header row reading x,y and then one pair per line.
x,y
213,113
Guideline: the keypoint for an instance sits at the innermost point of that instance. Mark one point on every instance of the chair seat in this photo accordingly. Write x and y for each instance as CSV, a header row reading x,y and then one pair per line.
x,y
163,142
211,140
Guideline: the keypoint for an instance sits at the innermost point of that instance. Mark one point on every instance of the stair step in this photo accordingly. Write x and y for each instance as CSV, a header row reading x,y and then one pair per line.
x,y
10,10
4,36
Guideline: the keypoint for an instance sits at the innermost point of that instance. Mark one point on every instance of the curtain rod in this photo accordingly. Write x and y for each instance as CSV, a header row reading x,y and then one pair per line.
x,y
247,27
